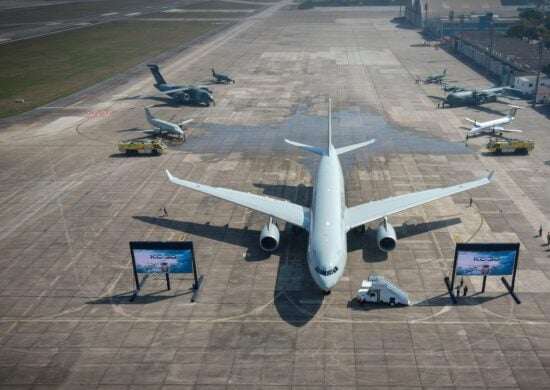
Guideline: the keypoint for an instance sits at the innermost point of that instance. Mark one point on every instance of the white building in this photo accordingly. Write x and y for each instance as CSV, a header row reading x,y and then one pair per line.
x,y
526,84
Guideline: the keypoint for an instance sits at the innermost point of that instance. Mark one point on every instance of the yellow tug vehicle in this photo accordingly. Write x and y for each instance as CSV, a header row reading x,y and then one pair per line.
x,y
519,146
154,147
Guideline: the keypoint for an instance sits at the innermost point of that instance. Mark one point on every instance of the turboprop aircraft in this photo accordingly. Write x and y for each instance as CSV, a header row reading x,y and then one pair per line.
x,y
161,125
475,97
436,78
494,125
328,219
221,78
186,94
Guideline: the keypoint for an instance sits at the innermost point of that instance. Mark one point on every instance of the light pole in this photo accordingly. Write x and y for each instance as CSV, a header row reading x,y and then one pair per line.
x,y
541,46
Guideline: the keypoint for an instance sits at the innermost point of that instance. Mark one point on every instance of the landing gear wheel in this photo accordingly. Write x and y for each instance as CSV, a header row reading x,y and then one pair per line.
x,y
326,292
296,230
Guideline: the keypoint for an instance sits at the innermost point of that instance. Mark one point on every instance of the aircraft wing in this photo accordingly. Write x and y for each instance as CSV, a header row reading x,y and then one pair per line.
x,y
504,129
285,210
176,90
366,212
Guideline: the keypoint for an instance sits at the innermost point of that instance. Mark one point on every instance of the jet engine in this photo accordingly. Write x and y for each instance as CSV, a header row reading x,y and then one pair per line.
x,y
387,240
269,237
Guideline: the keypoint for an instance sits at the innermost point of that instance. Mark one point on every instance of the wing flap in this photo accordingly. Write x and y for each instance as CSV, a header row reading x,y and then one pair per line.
x,y
367,212
287,211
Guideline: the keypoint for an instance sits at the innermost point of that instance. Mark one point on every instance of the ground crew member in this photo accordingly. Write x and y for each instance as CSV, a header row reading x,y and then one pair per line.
x,y
471,200
548,239
540,231
465,290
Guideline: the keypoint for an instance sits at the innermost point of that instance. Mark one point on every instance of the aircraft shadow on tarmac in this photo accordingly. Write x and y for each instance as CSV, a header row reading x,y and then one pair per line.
x,y
296,297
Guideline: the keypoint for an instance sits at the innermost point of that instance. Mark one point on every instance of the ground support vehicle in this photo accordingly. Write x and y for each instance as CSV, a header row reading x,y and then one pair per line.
x,y
498,146
154,147
376,289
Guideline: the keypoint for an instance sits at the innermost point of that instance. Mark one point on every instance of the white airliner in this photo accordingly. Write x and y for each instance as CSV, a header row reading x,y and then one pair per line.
x,y
494,126
328,219
161,125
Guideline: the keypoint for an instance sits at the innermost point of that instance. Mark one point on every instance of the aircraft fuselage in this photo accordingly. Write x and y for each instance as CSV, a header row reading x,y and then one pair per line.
x,y
327,247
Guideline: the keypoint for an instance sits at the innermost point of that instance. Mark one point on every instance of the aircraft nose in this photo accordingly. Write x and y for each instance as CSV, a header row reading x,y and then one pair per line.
x,y
326,283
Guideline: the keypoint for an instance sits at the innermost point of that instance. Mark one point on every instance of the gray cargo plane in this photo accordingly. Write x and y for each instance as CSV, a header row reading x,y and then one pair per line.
x,y
186,94
328,219
475,97
161,125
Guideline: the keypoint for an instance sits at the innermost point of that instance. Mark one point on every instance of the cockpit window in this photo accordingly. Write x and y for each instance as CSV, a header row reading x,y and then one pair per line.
x,y
326,272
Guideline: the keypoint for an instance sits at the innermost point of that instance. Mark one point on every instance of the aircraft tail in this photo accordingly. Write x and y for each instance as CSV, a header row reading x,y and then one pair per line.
x,y
512,112
156,73
213,72
326,152
445,71
148,114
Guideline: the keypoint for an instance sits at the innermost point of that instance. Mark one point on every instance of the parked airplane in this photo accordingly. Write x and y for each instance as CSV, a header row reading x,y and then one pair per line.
x,y
494,125
328,219
221,78
186,94
161,125
474,97
436,78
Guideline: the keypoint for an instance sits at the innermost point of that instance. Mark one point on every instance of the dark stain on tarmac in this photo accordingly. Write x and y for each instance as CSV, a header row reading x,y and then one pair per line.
x,y
348,127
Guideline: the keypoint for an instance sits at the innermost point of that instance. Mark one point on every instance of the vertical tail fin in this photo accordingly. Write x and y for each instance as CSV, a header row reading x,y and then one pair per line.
x,y
329,125
148,114
445,71
213,72
156,74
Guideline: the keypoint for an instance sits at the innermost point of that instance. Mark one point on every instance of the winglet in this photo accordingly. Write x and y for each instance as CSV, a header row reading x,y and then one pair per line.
x,y
490,177
170,177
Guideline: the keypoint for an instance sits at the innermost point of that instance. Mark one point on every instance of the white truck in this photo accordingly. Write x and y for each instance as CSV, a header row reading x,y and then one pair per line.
x,y
376,289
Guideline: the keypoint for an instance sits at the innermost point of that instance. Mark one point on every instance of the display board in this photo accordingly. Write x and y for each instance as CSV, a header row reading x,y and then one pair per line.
x,y
490,261
163,260
484,259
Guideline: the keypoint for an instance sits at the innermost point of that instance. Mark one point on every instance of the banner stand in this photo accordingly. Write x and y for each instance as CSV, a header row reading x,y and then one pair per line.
x,y
450,289
491,248
160,254
139,285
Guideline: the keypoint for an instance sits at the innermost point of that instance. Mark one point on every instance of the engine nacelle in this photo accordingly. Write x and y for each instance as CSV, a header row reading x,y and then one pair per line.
x,y
386,237
269,237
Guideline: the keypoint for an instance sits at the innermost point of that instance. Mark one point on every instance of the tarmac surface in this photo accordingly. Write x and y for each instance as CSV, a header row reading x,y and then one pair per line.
x,y
70,204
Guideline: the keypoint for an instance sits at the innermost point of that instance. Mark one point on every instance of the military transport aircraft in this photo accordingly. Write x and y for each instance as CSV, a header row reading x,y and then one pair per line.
x,y
186,94
436,78
475,97
328,219
493,126
161,125
221,78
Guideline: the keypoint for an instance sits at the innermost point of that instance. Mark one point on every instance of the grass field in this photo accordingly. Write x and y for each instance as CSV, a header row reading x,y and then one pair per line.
x,y
53,12
44,69
217,4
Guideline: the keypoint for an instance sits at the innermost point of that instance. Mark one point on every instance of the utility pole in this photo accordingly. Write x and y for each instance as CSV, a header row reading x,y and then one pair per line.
x,y
541,47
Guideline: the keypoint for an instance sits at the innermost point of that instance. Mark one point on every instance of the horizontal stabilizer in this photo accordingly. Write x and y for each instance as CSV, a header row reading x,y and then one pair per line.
x,y
186,122
349,148
309,148
470,120
505,130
